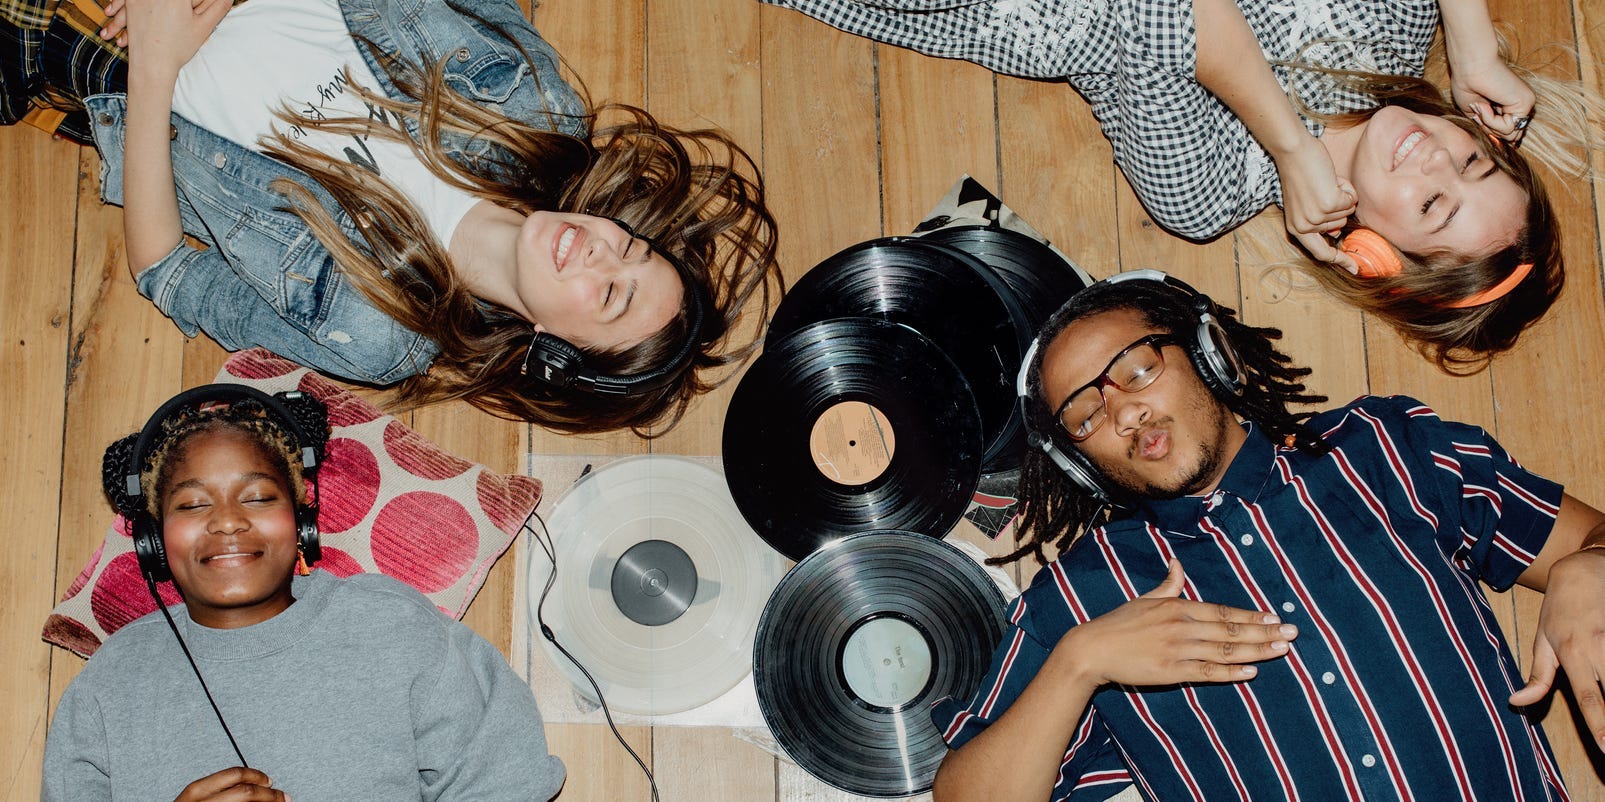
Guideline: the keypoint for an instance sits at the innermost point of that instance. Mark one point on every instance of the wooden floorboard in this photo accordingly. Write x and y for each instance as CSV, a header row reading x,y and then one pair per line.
x,y
856,141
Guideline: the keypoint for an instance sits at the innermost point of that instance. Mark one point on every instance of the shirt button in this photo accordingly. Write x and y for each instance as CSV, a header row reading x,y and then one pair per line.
x,y
219,160
105,119
1329,678
463,54
1247,540
1288,607
172,132
1368,761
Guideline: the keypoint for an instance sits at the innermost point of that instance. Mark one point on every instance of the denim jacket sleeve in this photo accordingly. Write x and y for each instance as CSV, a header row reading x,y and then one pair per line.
x,y
264,279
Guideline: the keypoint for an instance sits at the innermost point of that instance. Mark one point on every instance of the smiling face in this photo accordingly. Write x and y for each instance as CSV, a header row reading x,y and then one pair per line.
x,y
228,524
588,280
1171,438
1427,185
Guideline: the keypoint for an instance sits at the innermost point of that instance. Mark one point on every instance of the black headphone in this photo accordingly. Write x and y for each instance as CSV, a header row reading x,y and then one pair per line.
x,y
303,417
1209,350
555,361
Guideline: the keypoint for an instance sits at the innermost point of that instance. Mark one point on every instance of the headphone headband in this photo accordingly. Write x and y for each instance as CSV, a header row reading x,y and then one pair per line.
x,y
1376,258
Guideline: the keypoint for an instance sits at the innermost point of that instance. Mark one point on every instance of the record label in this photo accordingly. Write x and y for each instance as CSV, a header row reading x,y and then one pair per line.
x,y
886,663
852,443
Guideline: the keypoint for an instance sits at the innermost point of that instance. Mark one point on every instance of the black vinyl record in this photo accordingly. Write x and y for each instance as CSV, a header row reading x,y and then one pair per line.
x,y
858,641
1041,279
909,459
1040,282
955,301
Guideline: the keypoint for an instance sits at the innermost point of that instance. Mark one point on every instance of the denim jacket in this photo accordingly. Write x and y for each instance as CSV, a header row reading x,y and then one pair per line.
x,y
265,280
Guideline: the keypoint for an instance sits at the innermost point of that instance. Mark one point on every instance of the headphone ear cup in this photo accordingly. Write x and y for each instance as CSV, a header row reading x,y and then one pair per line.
x,y
554,360
1215,360
312,418
148,547
306,534
1374,256
116,466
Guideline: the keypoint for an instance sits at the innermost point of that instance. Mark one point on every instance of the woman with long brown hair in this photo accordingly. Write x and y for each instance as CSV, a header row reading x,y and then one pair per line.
x,y
1217,109
407,192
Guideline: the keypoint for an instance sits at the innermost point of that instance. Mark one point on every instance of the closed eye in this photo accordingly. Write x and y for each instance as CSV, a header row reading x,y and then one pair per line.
x,y
1426,207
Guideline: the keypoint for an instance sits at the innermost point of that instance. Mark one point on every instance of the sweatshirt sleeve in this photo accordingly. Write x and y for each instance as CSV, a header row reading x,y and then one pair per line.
x,y
478,732
77,764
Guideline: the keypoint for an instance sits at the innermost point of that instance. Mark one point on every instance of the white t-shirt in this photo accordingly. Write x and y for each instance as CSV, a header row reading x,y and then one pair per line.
x,y
271,53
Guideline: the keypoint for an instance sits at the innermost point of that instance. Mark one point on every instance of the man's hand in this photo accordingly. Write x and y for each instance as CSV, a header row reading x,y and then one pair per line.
x,y
1159,638
1571,636
233,785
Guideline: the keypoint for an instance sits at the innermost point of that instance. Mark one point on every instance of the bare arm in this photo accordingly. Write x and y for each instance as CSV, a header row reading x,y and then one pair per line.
x,y
1230,65
1570,569
1156,639
165,34
1482,84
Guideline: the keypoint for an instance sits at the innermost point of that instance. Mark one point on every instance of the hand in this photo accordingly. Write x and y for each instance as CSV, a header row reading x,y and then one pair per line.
x,y
1315,201
165,33
1571,636
1493,95
1159,638
233,785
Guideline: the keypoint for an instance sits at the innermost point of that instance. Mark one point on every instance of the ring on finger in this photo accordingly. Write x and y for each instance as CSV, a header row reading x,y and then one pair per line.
x,y
1522,122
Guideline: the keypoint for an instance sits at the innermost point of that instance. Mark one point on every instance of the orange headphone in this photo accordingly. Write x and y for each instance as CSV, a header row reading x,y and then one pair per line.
x,y
1377,259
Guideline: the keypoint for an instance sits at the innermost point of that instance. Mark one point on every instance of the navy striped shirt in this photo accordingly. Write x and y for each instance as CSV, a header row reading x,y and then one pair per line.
x,y
1396,686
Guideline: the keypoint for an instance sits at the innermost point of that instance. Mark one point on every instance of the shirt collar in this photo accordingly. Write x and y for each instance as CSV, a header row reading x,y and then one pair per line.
x,y
1245,478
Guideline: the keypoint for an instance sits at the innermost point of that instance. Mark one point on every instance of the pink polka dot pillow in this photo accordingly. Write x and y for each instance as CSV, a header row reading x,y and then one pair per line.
x,y
392,503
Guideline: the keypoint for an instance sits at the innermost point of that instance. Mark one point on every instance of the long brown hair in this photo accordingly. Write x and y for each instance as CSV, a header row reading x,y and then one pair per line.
x,y
694,193
1417,301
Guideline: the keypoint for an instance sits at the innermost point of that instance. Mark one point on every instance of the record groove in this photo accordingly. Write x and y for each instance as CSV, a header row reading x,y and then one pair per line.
x,y
853,722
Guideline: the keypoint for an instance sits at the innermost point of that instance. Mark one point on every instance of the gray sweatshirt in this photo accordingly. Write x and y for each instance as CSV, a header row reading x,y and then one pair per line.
x,y
362,689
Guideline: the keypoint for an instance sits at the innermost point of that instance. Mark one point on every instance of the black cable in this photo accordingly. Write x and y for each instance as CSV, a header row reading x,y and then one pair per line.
x,y
160,605
544,538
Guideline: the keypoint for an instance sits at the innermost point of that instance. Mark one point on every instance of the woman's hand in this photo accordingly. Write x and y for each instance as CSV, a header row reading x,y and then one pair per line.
x,y
1493,95
1315,201
233,785
163,35
1159,638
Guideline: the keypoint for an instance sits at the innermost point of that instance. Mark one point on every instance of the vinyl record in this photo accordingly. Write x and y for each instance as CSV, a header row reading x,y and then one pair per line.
x,y
856,644
660,584
940,292
849,425
1042,280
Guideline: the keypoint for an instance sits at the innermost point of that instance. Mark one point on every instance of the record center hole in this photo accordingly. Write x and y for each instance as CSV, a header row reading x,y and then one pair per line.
x,y
886,662
852,443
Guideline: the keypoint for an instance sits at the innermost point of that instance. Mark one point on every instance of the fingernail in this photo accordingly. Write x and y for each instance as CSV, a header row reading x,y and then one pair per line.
x,y
1279,646
1270,619
1288,630
1249,671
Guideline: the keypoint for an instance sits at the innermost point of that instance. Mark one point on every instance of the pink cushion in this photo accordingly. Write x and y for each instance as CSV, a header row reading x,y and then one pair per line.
x,y
392,502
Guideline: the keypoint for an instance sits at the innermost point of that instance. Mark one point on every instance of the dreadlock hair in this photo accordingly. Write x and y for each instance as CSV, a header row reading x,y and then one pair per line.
x,y
247,417
1055,510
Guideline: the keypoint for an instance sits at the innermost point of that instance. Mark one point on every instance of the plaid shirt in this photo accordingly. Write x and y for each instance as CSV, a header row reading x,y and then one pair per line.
x,y
1195,167
51,55
1396,685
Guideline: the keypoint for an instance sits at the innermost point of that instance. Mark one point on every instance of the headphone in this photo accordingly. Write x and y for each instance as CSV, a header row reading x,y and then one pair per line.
x,y
1375,258
555,361
1209,349
301,416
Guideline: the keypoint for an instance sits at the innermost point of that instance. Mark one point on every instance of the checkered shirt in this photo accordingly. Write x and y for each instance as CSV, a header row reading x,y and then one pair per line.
x,y
1195,167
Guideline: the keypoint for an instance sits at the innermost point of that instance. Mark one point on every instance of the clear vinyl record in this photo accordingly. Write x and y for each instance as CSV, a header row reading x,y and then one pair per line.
x,y
856,644
660,584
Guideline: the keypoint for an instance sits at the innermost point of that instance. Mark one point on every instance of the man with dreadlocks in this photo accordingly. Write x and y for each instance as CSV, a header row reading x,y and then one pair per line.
x,y
1311,626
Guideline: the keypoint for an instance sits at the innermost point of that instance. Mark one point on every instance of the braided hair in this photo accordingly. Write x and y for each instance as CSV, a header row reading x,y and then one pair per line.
x,y
248,417
1056,511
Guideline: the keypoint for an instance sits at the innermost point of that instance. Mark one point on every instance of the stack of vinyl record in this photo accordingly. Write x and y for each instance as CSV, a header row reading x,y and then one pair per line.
x,y
886,385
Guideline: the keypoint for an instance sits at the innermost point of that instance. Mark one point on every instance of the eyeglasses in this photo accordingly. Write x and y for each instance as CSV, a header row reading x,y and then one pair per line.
x,y
1133,369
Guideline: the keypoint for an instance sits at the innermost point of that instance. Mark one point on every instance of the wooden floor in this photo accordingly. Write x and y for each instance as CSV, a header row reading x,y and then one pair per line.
x,y
855,141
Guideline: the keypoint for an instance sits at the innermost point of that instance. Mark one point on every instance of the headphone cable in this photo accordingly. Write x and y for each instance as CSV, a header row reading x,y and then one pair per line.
x,y
544,539
160,605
